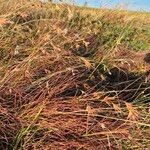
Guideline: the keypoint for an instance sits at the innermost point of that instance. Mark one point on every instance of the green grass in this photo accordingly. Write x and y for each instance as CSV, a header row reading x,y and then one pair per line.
x,y
73,77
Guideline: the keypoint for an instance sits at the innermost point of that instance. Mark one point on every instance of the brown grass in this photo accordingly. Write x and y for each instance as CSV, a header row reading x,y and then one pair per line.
x,y
55,94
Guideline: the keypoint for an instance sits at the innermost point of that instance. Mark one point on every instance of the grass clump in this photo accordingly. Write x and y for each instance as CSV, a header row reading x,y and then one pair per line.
x,y
70,77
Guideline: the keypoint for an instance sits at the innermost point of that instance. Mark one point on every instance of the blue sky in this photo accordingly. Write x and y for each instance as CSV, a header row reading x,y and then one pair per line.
x,y
131,4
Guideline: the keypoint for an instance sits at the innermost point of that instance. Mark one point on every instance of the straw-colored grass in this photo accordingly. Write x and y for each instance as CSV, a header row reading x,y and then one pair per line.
x,y
70,78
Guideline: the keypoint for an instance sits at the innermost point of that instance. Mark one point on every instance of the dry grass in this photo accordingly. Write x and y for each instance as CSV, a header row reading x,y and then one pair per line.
x,y
60,89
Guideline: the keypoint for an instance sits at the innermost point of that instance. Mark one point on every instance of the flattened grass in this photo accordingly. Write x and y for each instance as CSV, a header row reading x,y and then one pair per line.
x,y
57,89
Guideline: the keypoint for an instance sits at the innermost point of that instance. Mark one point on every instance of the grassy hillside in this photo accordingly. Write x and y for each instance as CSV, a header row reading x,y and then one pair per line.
x,y
73,78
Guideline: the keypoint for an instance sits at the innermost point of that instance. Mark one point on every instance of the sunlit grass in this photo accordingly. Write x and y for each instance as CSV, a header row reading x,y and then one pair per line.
x,y
70,77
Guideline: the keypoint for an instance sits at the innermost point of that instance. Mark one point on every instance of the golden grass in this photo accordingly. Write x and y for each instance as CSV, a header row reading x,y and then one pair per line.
x,y
61,89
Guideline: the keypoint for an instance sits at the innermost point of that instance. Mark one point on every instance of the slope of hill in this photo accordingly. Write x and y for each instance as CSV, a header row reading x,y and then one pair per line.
x,y
73,78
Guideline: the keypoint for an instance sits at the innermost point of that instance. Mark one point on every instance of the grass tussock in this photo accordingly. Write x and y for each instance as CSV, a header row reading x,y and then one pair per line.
x,y
70,78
